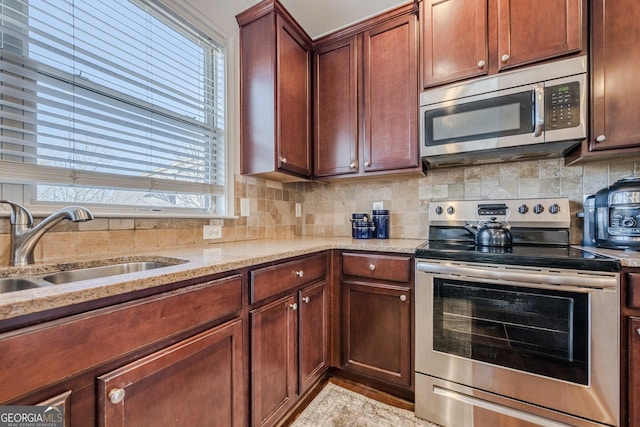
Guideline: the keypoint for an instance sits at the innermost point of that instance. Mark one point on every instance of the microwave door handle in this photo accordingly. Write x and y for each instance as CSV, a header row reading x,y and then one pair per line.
x,y
538,108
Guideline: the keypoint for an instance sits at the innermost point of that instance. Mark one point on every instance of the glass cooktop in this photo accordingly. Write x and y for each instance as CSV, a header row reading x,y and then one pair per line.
x,y
547,256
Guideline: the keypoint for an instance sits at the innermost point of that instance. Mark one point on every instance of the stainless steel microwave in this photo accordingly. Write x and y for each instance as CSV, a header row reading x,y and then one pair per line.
x,y
536,112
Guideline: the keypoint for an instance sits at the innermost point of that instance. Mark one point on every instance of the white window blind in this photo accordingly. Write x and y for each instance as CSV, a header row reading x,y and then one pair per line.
x,y
111,102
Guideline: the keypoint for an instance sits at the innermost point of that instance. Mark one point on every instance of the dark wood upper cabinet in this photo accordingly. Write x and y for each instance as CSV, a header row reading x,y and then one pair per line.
x,y
336,108
468,38
615,93
390,129
615,87
454,40
366,98
275,94
530,31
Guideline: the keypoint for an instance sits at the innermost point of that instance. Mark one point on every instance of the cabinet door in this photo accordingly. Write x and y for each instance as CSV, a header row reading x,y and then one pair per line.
x,y
336,108
314,334
531,31
377,331
197,382
390,95
273,360
294,101
615,94
454,40
634,371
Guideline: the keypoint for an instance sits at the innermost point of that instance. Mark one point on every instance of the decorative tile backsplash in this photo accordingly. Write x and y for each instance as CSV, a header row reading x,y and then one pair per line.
x,y
327,207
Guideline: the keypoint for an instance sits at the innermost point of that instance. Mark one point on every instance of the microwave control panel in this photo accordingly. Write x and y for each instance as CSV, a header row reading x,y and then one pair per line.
x,y
562,106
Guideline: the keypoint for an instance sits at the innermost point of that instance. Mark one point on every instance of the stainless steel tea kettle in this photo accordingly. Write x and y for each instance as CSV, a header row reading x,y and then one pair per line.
x,y
491,233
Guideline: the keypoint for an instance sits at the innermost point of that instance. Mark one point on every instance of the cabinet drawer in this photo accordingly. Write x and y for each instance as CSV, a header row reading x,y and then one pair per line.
x,y
381,267
633,290
45,353
270,281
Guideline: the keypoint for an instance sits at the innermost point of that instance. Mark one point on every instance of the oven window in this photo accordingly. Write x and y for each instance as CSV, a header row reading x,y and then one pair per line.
x,y
544,332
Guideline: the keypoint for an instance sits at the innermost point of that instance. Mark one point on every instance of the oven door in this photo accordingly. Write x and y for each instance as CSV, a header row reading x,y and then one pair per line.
x,y
545,338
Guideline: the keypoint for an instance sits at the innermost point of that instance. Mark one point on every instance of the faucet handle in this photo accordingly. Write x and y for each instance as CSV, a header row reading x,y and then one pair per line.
x,y
19,214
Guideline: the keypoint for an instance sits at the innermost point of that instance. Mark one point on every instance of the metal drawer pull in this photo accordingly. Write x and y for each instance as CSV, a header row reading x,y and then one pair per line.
x,y
505,57
481,64
117,395
300,273
372,267
306,300
293,306
403,298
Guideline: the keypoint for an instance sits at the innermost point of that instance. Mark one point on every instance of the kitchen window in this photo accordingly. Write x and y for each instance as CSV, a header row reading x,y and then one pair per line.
x,y
114,104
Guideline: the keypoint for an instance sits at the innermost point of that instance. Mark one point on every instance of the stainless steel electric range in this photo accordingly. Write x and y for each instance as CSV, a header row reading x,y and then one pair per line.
x,y
514,332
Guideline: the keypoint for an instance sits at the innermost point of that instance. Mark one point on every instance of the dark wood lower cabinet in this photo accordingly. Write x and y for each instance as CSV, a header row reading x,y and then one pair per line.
x,y
175,358
273,360
377,331
289,347
196,382
314,330
634,371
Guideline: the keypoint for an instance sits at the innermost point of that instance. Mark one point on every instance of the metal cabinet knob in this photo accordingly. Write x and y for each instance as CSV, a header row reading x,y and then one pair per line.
x,y
306,300
367,164
638,331
117,395
601,138
283,159
300,273
353,165
505,57
372,267
293,306
403,298
481,63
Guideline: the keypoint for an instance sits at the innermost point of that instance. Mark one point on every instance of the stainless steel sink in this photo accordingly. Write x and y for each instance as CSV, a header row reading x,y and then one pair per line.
x,y
12,284
103,271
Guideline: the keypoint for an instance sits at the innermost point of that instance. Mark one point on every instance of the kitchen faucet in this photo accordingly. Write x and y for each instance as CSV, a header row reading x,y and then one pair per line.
x,y
25,236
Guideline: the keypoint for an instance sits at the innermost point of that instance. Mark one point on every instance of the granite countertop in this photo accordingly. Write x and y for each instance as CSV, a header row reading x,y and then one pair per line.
x,y
627,258
200,261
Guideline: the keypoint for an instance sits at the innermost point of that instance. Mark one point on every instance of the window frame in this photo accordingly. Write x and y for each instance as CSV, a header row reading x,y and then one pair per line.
x,y
223,205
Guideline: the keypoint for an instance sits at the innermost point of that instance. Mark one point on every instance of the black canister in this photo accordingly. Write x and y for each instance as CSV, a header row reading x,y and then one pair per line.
x,y
380,218
358,218
363,229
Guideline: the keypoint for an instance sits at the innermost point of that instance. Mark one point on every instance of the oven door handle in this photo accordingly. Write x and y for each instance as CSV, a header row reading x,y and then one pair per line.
x,y
584,280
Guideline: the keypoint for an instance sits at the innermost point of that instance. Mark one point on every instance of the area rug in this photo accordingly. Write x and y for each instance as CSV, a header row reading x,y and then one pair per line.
x,y
338,407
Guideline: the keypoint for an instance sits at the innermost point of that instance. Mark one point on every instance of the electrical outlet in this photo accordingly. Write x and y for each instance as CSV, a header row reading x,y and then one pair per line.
x,y
211,232
244,206
378,205
298,210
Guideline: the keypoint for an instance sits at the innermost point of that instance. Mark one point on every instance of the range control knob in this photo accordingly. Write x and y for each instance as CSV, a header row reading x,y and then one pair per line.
x,y
523,209
450,210
538,209
628,222
554,208
439,210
